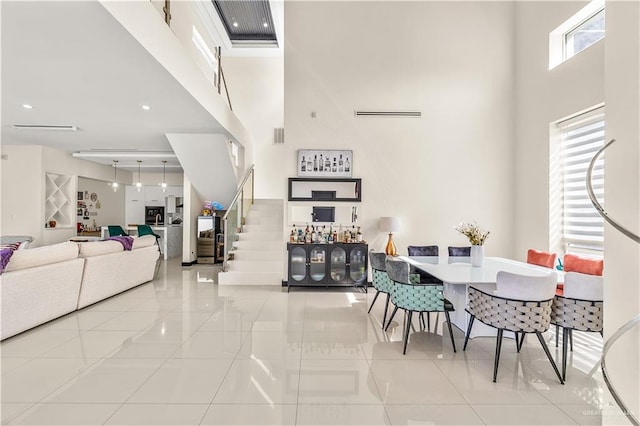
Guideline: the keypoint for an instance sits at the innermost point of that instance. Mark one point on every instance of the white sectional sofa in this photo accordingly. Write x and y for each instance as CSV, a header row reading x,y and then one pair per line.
x,y
44,283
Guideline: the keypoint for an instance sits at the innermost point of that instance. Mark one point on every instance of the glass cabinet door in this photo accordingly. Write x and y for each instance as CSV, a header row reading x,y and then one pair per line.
x,y
298,263
338,264
357,261
318,265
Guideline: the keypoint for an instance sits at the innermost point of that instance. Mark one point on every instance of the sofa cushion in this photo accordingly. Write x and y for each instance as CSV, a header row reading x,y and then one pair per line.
x,y
541,258
144,241
583,265
45,255
97,248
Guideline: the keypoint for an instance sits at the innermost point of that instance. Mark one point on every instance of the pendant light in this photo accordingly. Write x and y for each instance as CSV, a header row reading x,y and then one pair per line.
x,y
139,183
114,184
164,180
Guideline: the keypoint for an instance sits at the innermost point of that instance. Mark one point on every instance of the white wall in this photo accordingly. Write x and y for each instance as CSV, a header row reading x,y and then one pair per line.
x,y
453,164
112,204
545,96
23,189
256,87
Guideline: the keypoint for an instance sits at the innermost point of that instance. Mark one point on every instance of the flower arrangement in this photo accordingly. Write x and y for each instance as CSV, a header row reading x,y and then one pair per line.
x,y
475,233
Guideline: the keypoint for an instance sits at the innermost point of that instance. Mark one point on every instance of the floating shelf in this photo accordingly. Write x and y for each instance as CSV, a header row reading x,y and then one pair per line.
x,y
60,199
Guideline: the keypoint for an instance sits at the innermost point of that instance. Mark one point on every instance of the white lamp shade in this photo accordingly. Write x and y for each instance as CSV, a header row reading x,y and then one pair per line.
x,y
389,224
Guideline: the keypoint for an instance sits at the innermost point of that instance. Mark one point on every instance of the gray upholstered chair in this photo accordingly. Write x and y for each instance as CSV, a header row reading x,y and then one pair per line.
x,y
580,307
459,254
521,304
381,281
428,251
415,297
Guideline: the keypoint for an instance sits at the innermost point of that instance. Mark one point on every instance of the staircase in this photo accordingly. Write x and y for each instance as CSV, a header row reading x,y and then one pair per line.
x,y
258,255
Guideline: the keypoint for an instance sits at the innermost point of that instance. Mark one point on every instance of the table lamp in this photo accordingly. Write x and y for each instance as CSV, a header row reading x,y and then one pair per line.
x,y
390,225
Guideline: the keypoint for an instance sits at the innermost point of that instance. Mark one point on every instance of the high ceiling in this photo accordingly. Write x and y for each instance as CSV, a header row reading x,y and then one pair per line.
x,y
76,65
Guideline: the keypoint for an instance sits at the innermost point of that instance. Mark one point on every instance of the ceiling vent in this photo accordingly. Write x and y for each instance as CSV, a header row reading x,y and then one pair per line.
x,y
278,135
387,113
44,127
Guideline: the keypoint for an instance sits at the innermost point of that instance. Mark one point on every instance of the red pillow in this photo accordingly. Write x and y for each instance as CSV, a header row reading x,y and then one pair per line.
x,y
541,258
573,263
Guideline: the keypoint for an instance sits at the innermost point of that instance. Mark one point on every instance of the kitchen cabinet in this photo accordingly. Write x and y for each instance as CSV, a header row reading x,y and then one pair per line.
x,y
154,196
134,205
327,265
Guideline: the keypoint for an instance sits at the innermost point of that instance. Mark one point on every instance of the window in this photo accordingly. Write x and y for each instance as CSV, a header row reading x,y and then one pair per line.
x,y
581,227
577,33
584,35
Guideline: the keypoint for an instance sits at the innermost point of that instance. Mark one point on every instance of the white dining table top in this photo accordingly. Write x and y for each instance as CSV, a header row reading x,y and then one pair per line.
x,y
460,272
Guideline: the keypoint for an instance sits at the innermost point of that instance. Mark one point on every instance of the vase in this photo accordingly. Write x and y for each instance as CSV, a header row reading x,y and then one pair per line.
x,y
477,255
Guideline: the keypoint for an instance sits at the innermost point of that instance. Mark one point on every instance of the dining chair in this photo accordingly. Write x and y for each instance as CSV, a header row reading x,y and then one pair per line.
x,y
418,298
381,281
541,258
116,230
146,230
579,308
521,304
459,254
418,275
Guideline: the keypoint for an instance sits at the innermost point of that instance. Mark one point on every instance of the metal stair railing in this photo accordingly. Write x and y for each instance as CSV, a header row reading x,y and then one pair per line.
x,y
234,218
630,325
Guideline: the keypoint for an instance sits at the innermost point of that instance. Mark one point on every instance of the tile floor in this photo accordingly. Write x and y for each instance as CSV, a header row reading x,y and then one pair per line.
x,y
183,350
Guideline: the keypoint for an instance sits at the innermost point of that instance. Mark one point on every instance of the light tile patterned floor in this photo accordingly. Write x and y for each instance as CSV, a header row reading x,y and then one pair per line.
x,y
183,350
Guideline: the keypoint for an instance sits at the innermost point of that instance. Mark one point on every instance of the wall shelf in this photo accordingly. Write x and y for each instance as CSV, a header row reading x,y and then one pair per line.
x,y
60,199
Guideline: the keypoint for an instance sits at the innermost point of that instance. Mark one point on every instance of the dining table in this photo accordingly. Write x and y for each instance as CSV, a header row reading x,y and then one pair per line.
x,y
457,275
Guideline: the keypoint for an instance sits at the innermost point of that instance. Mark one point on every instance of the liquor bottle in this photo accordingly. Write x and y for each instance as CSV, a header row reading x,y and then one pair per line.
x,y
315,163
340,164
334,168
347,165
303,165
293,237
359,236
334,237
340,235
300,235
314,235
309,165
327,164
321,164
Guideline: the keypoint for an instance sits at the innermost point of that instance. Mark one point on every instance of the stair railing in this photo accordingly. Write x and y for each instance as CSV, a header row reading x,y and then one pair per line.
x,y
634,322
234,218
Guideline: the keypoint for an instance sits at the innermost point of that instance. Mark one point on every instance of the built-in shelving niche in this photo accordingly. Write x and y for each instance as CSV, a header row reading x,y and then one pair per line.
x,y
60,199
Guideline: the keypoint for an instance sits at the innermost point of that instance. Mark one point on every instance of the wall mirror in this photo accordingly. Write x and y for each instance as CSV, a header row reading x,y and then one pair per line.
x,y
319,189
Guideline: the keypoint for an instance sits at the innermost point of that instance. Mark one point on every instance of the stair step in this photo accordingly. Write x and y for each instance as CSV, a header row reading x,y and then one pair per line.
x,y
250,278
255,266
262,228
261,236
264,220
262,201
259,255
258,245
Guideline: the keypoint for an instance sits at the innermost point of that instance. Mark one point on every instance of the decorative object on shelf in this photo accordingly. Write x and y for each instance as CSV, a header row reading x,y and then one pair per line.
x,y
59,190
139,182
80,194
163,185
52,223
94,197
390,225
477,236
324,163
114,184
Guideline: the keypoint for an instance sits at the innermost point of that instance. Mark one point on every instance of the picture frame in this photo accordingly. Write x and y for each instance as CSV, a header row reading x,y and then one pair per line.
x,y
79,212
80,195
324,163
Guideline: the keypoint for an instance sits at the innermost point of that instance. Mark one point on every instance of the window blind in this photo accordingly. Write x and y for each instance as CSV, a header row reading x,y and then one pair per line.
x,y
582,226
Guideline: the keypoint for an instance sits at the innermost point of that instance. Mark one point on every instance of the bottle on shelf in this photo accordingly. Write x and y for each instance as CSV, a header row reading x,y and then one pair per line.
x,y
300,235
293,237
321,164
358,236
334,167
315,163
340,164
314,235
309,164
303,165
340,234
327,164
347,165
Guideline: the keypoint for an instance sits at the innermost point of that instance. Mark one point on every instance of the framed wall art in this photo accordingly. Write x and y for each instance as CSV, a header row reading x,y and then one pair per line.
x,y
324,163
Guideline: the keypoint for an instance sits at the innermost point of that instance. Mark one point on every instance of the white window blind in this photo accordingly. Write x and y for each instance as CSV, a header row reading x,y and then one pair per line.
x,y
582,226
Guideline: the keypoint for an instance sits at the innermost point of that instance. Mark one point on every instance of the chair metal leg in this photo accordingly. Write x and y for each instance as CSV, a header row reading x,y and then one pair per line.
x,y
557,334
421,321
564,352
453,343
406,333
570,330
546,351
374,301
393,314
519,342
466,338
428,321
386,308
497,357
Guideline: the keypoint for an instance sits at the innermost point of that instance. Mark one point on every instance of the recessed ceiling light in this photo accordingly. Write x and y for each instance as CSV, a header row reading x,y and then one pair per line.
x,y
264,24
235,24
146,107
26,106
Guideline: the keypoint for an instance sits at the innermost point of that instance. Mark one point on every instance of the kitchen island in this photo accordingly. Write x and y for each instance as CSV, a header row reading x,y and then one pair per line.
x,y
170,238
